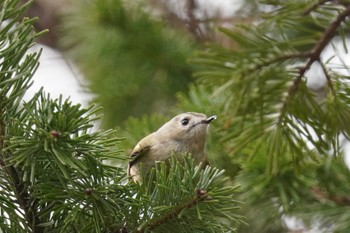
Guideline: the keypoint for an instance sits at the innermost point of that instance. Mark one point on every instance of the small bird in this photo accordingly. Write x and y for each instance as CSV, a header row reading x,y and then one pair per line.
x,y
185,133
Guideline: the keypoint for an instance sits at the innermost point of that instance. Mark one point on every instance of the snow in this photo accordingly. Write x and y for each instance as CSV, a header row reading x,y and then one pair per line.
x,y
58,76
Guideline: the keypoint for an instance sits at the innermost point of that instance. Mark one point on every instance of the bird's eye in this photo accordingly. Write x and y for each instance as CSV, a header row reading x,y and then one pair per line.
x,y
185,121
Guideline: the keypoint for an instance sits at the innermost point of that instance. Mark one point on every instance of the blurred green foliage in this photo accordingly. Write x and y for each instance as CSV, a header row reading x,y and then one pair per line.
x,y
133,63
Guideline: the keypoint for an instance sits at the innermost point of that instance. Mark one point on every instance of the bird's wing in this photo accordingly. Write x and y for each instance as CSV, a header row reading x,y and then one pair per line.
x,y
140,150
137,153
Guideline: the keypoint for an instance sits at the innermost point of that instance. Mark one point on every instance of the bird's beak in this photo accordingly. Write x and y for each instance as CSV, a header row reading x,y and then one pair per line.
x,y
210,119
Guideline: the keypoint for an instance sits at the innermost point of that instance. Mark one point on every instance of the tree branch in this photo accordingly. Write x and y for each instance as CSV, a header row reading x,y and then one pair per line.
x,y
282,58
329,33
315,53
192,22
154,223
312,55
19,188
323,195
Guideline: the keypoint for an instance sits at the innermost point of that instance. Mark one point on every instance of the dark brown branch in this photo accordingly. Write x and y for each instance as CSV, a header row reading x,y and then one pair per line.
x,y
192,21
154,223
315,53
324,196
323,42
329,33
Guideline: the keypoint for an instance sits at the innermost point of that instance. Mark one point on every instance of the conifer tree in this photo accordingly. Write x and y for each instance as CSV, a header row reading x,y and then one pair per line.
x,y
56,173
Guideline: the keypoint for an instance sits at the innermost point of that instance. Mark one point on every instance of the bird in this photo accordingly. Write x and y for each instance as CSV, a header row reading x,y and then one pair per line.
x,y
183,134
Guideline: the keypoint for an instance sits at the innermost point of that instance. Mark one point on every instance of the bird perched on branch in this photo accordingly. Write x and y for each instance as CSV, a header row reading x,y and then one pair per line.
x,y
185,133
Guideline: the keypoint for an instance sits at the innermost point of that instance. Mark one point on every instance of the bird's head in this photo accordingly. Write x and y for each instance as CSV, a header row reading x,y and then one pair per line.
x,y
189,126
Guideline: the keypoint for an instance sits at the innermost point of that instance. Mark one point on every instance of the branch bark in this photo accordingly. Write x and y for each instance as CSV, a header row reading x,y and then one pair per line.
x,y
325,196
315,53
154,223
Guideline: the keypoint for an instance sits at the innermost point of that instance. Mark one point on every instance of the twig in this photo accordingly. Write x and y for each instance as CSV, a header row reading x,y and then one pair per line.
x,y
315,53
322,43
154,223
192,21
329,33
323,195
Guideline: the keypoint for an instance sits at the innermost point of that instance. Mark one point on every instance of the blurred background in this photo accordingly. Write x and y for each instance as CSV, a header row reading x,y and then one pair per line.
x,y
132,58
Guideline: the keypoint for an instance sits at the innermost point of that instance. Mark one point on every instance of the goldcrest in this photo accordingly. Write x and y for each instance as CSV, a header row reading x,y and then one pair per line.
x,y
185,133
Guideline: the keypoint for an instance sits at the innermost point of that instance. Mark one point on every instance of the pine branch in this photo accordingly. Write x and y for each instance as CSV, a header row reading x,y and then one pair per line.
x,y
182,196
282,58
16,74
202,195
315,53
19,188
26,202
2,135
312,55
323,195
328,34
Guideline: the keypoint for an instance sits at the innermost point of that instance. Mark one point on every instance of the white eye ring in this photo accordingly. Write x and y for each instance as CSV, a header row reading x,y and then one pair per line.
x,y
185,121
